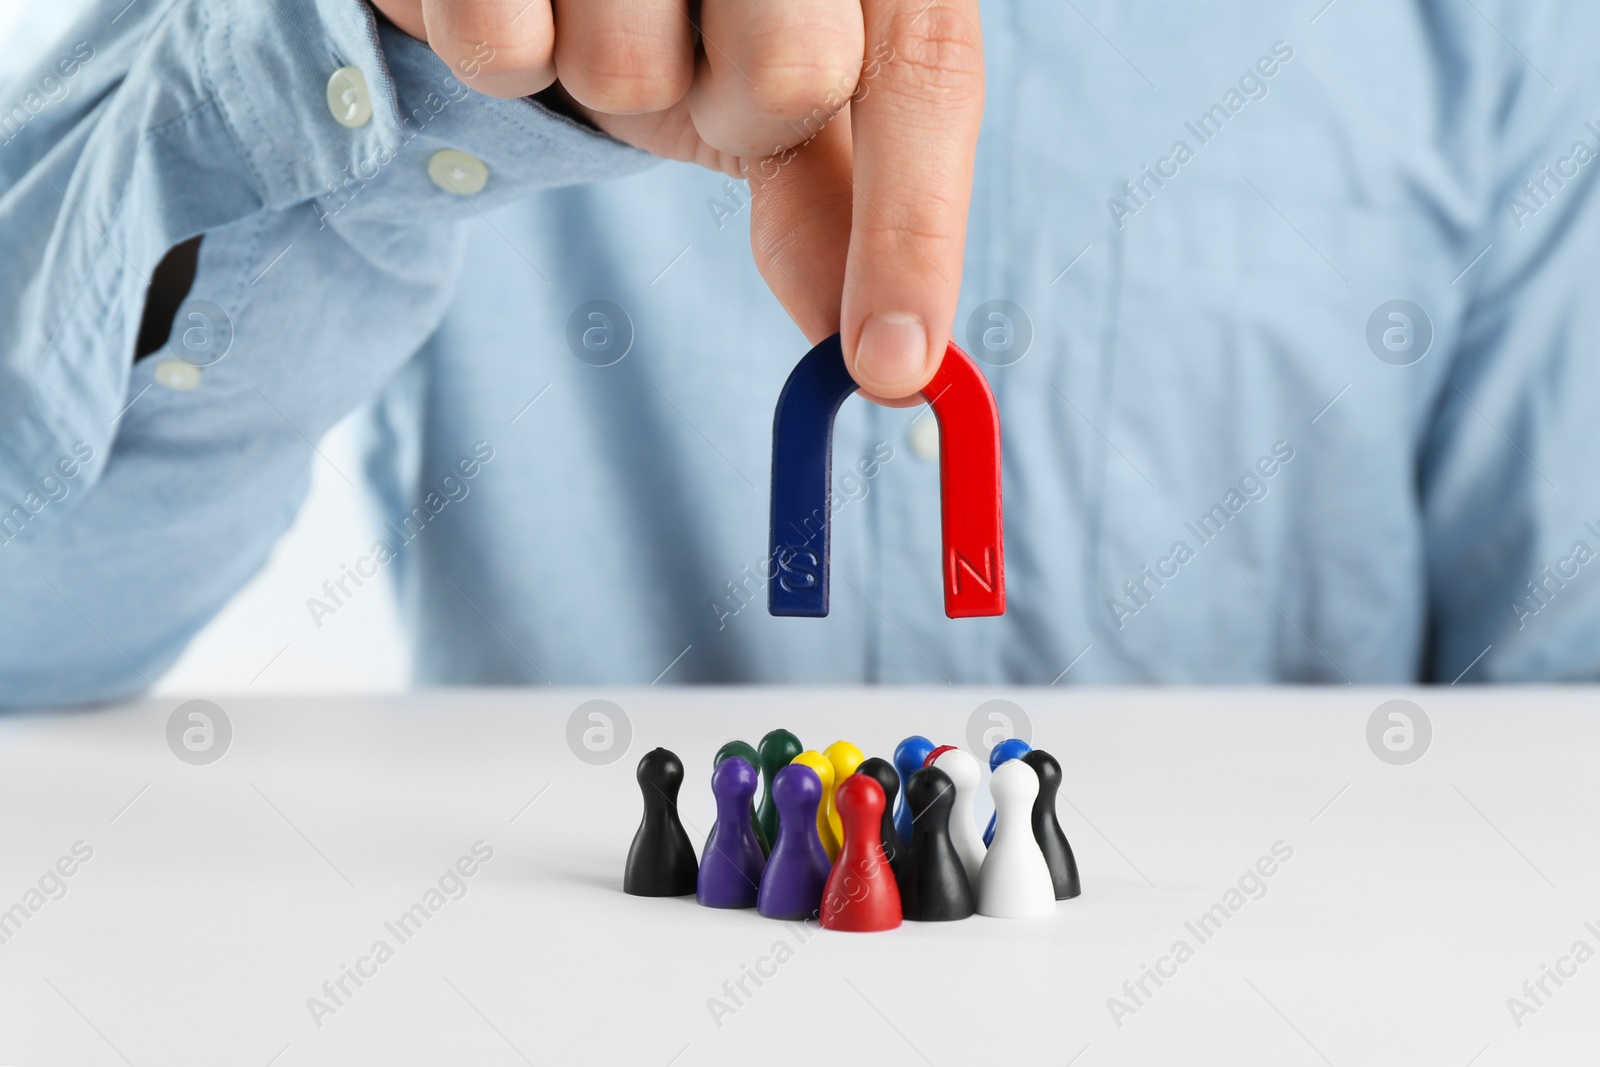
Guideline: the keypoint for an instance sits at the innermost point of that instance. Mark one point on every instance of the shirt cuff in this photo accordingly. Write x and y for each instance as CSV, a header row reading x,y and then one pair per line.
x,y
282,107
197,115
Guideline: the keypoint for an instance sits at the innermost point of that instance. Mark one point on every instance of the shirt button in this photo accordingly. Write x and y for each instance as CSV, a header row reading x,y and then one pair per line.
x,y
348,99
178,375
457,172
923,437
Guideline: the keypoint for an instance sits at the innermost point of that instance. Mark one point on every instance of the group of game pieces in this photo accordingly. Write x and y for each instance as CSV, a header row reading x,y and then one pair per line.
x,y
824,843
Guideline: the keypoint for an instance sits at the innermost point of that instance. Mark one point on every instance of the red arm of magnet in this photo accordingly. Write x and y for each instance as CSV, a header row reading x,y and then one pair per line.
x,y
969,488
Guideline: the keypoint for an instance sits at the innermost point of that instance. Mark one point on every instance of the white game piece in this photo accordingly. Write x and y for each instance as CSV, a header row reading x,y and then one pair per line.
x,y
1015,882
962,767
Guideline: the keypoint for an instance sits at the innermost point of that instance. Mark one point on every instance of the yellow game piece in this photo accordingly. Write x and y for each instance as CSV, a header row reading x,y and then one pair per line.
x,y
819,763
845,758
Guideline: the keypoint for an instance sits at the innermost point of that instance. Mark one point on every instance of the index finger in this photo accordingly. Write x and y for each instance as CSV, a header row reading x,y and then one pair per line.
x,y
914,120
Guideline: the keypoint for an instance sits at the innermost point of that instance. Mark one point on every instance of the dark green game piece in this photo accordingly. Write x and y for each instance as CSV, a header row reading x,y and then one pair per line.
x,y
743,749
778,750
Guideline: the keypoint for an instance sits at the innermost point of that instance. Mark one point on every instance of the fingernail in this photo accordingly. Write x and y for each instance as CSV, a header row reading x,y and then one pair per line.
x,y
893,349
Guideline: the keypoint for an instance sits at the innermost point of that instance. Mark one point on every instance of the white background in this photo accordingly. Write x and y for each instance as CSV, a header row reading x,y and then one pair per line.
x,y
220,897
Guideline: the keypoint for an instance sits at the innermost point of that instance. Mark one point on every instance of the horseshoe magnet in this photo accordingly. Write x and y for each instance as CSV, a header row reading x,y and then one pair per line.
x,y
969,484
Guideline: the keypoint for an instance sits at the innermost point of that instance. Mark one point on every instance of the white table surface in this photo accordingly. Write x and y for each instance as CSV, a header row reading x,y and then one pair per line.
x,y
219,898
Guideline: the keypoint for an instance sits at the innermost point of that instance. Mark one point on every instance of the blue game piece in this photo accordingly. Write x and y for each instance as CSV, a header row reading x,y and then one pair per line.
x,y
730,870
1009,749
908,759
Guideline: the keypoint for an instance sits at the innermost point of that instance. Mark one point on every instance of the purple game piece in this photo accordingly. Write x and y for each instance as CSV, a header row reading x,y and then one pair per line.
x,y
730,870
798,868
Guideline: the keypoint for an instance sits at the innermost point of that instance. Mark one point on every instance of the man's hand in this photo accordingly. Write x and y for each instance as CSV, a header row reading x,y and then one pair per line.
x,y
855,122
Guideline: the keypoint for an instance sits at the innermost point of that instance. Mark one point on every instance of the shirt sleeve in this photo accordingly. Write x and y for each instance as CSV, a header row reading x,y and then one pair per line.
x,y
1509,488
328,161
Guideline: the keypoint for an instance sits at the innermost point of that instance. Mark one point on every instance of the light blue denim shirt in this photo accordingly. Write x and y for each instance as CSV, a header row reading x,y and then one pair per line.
x,y
1289,311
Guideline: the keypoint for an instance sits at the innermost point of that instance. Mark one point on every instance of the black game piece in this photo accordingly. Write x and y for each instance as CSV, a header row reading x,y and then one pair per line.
x,y
661,860
884,773
934,885
1047,828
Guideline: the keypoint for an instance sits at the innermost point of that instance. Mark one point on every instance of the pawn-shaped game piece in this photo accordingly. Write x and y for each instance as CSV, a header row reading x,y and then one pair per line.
x,y
933,883
745,751
730,871
661,860
1047,828
880,771
777,750
819,763
908,757
1009,749
845,758
797,870
861,894
938,751
962,767
1015,882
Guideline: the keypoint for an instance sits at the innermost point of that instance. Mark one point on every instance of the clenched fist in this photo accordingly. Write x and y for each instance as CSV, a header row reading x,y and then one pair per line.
x,y
855,122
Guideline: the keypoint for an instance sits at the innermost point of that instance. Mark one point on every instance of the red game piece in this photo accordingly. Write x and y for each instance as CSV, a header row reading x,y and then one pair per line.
x,y
861,894
935,754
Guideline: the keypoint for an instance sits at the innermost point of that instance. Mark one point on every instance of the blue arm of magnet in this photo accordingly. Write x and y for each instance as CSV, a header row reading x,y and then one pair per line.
x,y
802,477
